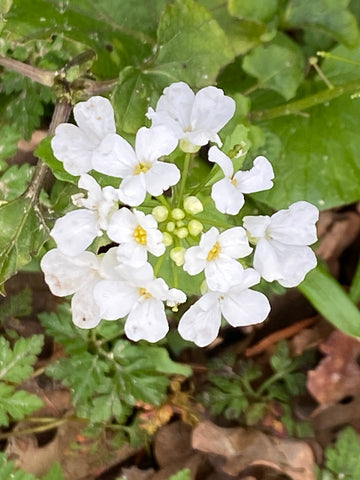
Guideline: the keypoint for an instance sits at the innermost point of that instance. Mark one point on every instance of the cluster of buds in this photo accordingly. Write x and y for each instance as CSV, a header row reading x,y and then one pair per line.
x,y
153,216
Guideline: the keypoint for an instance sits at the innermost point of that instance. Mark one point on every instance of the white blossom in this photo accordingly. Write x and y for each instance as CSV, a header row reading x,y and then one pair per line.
x,y
195,119
78,276
140,168
282,251
137,234
77,146
228,192
140,296
238,304
217,254
75,231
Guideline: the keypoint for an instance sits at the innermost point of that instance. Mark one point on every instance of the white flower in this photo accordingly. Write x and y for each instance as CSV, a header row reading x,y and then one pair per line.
x,y
78,275
75,231
138,234
140,296
239,305
281,250
195,119
77,146
140,168
216,255
228,192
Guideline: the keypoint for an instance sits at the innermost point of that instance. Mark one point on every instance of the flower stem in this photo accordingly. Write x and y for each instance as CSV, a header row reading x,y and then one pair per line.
x,y
184,175
296,107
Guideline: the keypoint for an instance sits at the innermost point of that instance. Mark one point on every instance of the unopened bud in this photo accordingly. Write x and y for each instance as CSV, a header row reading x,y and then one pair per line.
x,y
170,227
182,232
167,239
195,227
177,255
193,205
160,213
177,214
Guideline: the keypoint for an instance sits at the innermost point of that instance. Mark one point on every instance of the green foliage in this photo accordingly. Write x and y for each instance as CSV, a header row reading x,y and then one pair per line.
x,y
18,305
9,471
108,375
342,460
14,181
232,392
184,474
16,365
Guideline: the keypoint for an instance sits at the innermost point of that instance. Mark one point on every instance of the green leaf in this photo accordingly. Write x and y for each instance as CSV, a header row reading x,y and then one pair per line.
x,y
45,153
256,10
329,16
10,137
9,471
17,305
60,326
191,45
14,181
16,404
55,473
330,299
318,158
16,364
343,458
184,474
278,65
22,235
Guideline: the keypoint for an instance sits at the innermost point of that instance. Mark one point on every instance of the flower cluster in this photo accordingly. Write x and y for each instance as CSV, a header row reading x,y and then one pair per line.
x,y
155,217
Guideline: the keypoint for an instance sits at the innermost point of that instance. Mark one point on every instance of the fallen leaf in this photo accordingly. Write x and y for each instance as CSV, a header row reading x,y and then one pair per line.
x,y
248,452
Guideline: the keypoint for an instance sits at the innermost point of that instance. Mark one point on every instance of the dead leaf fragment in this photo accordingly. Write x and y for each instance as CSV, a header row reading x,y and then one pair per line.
x,y
248,452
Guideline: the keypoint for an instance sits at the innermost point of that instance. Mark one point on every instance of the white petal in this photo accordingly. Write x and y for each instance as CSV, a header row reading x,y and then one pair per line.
x,y
122,225
194,261
75,231
175,104
155,244
175,297
95,117
65,275
201,323
152,143
257,179
85,312
211,110
132,190
132,254
114,298
224,162
296,225
222,273
115,157
147,321
160,177
244,307
87,182
228,199
234,243
256,225
72,147
288,264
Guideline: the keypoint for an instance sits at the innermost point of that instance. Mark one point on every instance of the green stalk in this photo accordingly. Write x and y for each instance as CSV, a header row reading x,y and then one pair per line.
x,y
296,107
184,175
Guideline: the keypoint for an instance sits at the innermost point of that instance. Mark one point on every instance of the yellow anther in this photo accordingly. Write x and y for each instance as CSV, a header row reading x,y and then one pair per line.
x,y
214,252
234,181
142,168
144,293
140,235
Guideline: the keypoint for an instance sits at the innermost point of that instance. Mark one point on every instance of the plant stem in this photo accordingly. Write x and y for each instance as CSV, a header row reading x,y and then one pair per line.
x,y
41,428
296,107
45,77
184,175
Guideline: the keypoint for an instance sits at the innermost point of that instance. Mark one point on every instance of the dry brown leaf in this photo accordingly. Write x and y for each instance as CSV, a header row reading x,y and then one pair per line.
x,y
248,451
338,374
172,443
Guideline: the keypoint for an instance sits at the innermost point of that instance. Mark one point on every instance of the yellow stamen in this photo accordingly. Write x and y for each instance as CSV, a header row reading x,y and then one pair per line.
x,y
142,168
140,235
144,293
214,252
234,181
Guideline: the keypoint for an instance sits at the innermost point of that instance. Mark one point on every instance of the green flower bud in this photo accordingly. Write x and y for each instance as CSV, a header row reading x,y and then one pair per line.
x,y
182,232
170,227
180,223
195,227
177,255
160,213
167,239
177,214
193,205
